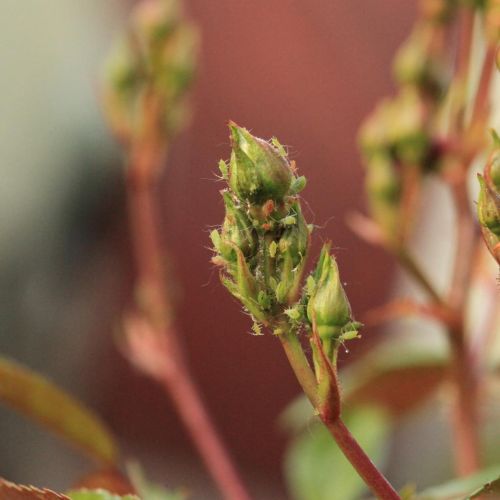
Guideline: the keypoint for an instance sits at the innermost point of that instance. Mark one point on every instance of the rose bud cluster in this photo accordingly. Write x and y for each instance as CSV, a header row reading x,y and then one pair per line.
x,y
264,242
398,139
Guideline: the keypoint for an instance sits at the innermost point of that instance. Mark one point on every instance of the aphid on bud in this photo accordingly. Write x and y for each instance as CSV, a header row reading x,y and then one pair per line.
x,y
277,144
272,249
293,313
224,170
289,220
256,329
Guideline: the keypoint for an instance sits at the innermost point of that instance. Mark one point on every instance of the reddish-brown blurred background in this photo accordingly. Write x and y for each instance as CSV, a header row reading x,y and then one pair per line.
x,y
306,72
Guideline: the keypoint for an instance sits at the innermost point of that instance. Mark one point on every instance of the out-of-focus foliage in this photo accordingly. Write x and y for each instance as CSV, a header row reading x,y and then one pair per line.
x,y
98,495
39,399
484,483
149,490
149,72
12,491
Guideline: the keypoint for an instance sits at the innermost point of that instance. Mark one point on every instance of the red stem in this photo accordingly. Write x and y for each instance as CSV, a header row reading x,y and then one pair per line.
x,y
482,96
466,440
177,381
185,395
327,404
146,154
360,461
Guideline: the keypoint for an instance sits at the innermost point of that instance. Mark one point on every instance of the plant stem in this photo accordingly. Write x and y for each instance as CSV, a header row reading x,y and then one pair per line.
x,y
176,380
330,416
480,107
411,266
465,44
186,397
377,483
464,369
146,155
466,440
300,365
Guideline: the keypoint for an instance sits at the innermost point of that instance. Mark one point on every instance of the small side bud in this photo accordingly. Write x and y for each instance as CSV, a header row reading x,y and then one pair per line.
x,y
328,306
488,205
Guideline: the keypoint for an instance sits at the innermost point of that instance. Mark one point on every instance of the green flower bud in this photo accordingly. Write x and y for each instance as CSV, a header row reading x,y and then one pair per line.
x,y
237,230
397,128
493,171
245,287
407,132
373,137
257,171
291,256
383,188
488,207
295,238
415,65
328,306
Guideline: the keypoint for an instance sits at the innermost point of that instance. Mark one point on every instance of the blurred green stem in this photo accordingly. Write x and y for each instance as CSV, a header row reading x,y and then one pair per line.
x,y
408,262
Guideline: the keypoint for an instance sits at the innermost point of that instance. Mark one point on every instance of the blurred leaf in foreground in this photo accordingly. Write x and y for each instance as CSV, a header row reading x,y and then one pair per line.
x,y
98,495
109,479
316,468
39,399
12,491
148,490
485,484
397,377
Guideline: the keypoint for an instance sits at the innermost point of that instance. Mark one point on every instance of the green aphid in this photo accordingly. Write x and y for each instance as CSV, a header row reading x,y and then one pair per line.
x,y
298,184
293,313
224,170
289,220
273,247
281,149
256,329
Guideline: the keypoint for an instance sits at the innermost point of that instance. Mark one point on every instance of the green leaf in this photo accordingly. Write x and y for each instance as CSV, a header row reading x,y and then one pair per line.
x,y
97,495
15,491
317,470
490,488
39,399
148,490
482,483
